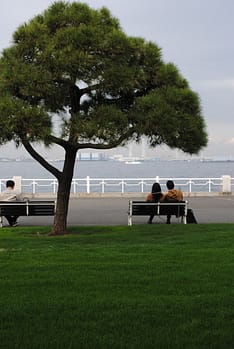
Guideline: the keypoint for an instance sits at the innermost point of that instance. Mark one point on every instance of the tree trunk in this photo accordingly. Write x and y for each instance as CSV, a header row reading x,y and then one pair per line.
x,y
63,195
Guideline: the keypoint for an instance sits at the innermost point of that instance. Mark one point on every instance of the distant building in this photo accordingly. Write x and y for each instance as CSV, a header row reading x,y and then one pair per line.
x,y
91,156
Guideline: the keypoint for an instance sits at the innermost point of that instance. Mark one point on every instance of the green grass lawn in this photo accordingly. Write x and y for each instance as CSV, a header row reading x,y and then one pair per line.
x,y
159,286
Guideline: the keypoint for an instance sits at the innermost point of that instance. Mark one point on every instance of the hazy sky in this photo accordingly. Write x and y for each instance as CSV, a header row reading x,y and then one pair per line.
x,y
196,35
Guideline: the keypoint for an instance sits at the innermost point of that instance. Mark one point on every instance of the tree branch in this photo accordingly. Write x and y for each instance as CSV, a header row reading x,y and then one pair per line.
x,y
88,89
96,146
59,141
41,160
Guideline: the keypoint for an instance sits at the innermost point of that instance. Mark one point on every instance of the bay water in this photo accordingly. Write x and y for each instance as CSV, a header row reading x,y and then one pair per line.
x,y
119,169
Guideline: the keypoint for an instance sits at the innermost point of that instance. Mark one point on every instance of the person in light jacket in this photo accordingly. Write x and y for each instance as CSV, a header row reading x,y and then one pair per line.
x,y
10,194
173,195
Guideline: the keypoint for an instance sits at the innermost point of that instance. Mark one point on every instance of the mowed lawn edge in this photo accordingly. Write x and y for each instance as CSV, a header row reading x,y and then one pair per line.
x,y
143,286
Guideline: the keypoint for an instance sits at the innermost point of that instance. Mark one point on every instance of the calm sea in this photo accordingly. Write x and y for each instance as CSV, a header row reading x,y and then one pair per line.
x,y
116,169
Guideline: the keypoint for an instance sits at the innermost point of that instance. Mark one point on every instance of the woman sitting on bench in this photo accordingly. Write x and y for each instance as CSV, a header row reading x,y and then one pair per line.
x,y
156,195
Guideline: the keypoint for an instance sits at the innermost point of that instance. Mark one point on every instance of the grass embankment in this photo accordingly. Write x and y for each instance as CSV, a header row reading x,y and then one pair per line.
x,y
140,287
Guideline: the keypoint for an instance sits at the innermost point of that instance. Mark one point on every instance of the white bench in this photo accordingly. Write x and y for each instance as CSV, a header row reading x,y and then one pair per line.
x,y
143,208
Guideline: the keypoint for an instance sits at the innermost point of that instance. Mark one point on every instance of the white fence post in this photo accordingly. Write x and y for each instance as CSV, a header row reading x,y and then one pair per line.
x,y
34,187
18,186
74,186
190,186
88,184
226,184
54,186
122,186
142,186
209,186
103,186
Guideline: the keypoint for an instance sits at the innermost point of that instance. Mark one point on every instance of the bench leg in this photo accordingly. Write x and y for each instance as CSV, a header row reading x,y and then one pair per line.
x,y
129,220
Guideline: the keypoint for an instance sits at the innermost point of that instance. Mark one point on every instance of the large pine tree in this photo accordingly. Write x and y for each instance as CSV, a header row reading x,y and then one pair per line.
x,y
107,88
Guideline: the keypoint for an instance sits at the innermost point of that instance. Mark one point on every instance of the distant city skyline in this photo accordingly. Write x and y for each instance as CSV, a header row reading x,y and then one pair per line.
x,y
135,151
195,35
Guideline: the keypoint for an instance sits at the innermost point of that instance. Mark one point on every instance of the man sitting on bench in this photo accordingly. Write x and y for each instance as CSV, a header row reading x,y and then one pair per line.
x,y
10,194
173,195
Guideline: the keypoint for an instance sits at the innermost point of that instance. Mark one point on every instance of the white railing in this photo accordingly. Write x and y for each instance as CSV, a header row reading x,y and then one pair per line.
x,y
125,185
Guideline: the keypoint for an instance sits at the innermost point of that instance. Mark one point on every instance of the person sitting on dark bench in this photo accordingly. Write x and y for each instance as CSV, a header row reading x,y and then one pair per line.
x,y
156,195
10,194
173,195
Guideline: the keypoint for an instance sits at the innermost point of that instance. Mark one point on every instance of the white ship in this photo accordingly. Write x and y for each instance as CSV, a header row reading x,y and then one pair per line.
x,y
132,162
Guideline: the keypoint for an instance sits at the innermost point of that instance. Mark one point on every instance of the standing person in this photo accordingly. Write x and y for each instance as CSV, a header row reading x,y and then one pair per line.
x,y
173,195
10,194
156,195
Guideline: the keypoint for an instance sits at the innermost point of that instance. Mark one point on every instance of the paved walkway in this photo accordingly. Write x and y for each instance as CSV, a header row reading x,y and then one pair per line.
x,y
113,211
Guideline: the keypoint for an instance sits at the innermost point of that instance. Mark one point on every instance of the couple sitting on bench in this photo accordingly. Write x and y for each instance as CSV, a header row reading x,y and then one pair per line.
x,y
156,195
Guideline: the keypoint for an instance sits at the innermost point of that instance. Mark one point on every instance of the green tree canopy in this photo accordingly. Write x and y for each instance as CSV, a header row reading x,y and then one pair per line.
x,y
107,88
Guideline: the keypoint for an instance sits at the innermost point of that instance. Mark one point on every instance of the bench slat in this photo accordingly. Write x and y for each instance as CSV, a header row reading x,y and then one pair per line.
x,y
39,210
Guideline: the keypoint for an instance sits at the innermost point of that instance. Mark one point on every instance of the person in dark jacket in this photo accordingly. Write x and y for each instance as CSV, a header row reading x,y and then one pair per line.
x,y
156,195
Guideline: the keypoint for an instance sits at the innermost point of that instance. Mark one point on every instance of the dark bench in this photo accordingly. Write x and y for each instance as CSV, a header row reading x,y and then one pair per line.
x,y
143,208
26,208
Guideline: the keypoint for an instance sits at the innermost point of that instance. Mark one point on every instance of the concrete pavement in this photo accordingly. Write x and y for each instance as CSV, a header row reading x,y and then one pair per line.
x,y
113,211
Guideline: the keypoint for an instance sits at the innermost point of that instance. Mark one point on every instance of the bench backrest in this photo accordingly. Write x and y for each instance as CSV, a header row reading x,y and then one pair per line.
x,y
142,208
27,208
9,208
41,208
44,208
